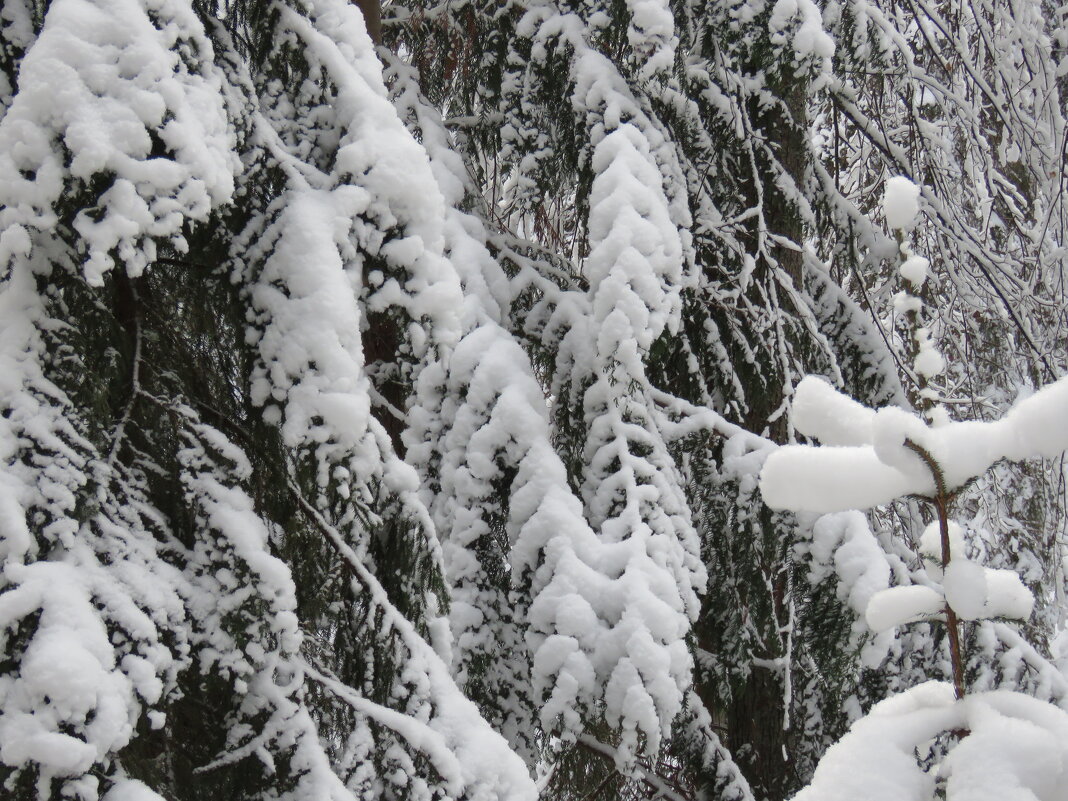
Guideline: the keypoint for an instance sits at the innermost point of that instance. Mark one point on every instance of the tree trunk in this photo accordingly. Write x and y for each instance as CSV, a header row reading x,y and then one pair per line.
x,y
372,16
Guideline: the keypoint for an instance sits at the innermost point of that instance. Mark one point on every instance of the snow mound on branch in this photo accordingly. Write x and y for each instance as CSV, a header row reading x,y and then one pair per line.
x,y
964,585
930,544
131,790
650,555
896,606
639,575
901,203
809,38
820,411
105,84
859,562
972,591
1017,750
844,542
635,263
975,592
651,34
914,270
83,631
869,461
70,704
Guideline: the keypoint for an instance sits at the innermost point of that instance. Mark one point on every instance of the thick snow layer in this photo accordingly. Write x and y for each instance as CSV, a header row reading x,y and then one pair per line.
x,y
650,555
975,592
130,790
822,412
906,302
964,584
307,263
69,705
830,479
635,262
809,37
896,606
914,270
594,628
1007,596
383,201
641,574
499,429
382,173
103,92
1016,750
651,34
972,591
844,541
929,362
901,203
930,544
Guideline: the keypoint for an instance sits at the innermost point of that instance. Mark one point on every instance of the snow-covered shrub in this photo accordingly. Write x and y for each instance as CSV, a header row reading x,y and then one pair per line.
x,y
993,744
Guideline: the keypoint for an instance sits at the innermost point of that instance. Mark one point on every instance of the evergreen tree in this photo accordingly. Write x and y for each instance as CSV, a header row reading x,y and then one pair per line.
x,y
749,113
220,580
387,423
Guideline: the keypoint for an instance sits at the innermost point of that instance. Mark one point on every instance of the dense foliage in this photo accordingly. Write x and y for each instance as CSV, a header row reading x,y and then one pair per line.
x,y
384,421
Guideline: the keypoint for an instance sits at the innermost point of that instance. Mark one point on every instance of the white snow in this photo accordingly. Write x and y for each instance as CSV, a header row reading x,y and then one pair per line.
x,y
929,362
930,544
905,302
964,584
651,34
643,570
914,270
820,411
832,479
901,203
896,606
73,694
100,82
476,759
975,592
68,706
131,790
1016,748
809,37
1007,595
845,540
835,478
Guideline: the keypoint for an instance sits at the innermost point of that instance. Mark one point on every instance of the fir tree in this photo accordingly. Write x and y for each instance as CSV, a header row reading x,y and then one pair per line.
x,y
220,580
388,422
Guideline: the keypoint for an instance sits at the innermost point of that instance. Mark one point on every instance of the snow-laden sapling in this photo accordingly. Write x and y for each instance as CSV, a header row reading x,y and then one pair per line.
x,y
1015,747
1008,745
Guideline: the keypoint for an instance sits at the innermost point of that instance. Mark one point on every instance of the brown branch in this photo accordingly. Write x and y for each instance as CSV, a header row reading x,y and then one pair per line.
x,y
941,503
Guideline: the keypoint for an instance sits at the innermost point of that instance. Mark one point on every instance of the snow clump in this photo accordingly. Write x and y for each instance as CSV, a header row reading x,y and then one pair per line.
x,y
901,203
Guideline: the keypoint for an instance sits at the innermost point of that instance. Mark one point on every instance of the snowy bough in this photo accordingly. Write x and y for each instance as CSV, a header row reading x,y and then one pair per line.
x,y
936,737
221,269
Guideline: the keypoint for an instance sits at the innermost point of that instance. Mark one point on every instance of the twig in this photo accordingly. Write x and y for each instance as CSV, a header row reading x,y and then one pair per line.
x,y
941,502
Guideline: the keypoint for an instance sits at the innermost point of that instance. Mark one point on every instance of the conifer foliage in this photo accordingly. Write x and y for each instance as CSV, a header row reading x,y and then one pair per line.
x,y
388,422
220,580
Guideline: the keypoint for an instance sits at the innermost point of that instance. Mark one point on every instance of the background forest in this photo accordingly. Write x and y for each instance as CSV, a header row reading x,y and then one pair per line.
x,y
384,419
